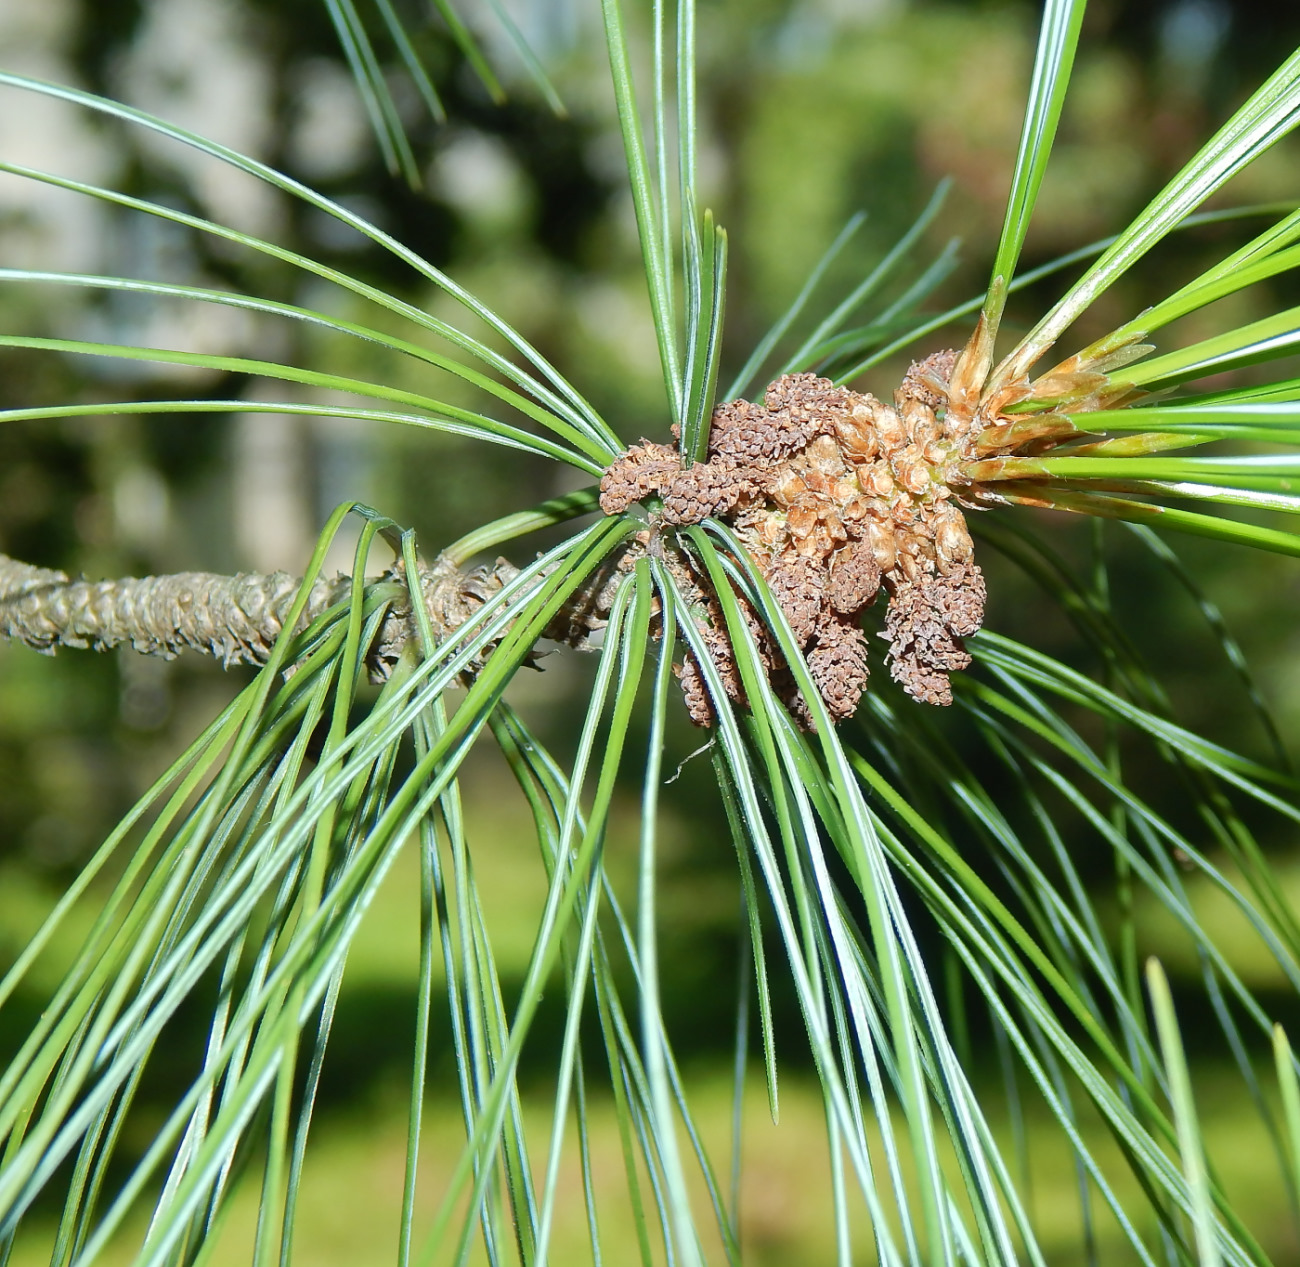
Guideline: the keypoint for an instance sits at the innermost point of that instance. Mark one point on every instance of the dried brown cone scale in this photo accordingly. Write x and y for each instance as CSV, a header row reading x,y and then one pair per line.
x,y
641,471
924,645
703,490
797,585
698,706
838,665
854,578
836,495
927,380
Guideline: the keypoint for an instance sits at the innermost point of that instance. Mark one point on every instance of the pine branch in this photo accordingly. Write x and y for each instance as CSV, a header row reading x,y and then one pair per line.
x,y
237,619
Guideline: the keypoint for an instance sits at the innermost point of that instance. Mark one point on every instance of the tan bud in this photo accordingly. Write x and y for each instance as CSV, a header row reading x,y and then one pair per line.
x,y
884,546
920,422
787,488
854,510
912,470
878,480
915,477
909,567
843,490
903,512
801,519
771,531
889,429
952,540
823,454
857,434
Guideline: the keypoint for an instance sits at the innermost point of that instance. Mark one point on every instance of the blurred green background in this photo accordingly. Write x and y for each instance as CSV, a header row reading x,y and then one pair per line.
x,y
810,111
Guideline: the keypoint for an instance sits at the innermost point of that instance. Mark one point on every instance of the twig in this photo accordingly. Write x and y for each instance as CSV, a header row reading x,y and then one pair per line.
x,y
237,619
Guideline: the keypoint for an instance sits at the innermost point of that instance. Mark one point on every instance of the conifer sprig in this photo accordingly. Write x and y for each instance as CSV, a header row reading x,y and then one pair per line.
x,y
904,874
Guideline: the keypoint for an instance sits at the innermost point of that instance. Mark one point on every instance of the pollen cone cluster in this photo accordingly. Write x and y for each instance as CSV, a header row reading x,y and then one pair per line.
x,y
836,495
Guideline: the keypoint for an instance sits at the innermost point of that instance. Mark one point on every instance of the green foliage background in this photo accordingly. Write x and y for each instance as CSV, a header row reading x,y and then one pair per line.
x,y
809,112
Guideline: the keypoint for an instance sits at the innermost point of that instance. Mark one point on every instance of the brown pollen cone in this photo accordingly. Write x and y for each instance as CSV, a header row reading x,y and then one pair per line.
x,y
835,495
